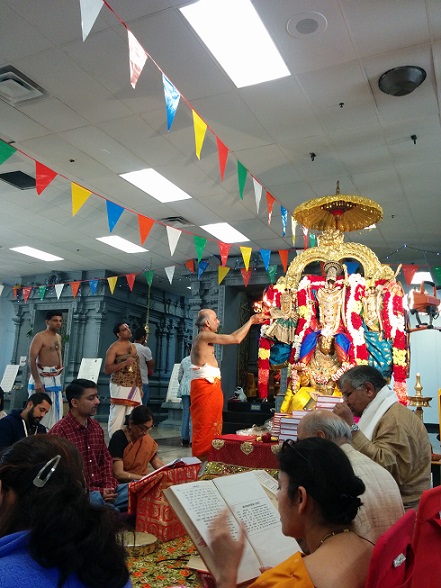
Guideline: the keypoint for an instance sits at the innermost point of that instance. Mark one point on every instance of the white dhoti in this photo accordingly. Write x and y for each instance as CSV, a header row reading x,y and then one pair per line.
x,y
51,380
123,400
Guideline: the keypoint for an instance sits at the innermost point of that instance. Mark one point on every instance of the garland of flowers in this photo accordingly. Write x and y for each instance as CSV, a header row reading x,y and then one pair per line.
x,y
271,298
358,353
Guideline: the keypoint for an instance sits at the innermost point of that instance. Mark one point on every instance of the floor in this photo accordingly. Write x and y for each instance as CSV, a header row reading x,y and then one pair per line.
x,y
169,442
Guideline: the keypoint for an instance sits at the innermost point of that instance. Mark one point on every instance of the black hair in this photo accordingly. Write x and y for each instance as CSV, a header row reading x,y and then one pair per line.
x,y
52,313
65,530
76,389
324,470
2,397
116,327
140,333
140,414
360,374
38,398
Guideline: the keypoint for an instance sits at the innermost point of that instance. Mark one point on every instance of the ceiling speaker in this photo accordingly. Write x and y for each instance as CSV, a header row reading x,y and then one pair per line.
x,y
401,81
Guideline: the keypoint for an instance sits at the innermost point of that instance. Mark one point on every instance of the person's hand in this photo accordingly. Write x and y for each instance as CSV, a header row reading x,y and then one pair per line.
x,y
342,410
39,386
130,361
109,494
258,318
226,550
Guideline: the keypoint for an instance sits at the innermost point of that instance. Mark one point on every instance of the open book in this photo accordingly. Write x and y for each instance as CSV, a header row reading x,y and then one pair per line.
x,y
176,463
198,503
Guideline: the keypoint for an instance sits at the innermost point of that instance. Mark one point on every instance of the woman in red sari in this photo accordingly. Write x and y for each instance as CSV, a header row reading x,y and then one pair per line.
x,y
132,449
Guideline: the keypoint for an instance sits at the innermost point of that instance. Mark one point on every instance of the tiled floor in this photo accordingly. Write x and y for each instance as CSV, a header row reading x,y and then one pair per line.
x,y
169,442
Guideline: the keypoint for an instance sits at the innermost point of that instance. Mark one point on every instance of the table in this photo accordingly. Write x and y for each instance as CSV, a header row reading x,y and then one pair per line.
x,y
244,451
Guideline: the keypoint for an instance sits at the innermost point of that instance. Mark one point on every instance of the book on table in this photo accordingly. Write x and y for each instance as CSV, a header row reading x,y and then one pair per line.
x,y
198,503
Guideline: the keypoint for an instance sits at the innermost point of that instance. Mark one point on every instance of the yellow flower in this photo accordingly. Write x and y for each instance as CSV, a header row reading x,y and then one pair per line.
x,y
399,356
303,311
264,353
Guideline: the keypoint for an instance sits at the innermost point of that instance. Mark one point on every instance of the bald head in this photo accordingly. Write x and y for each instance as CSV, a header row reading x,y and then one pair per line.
x,y
205,315
325,424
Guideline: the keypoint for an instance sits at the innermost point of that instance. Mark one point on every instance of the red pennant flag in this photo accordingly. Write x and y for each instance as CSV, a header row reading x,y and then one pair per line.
x,y
284,257
43,177
222,151
224,249
75,287
246,275
409,270
270,203
26,293
190,265
15,289
144,224
130,280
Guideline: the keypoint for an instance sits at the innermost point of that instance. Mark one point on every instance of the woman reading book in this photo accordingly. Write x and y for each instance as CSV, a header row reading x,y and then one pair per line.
x,y
132,449
318,498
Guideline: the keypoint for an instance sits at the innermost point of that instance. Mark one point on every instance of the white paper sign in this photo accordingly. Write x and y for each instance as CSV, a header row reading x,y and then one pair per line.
x,y
90,368
9,376
173,385
23,360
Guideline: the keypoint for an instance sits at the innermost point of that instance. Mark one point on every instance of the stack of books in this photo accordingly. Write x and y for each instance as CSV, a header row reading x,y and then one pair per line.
x,y
327,402
289,424
276,423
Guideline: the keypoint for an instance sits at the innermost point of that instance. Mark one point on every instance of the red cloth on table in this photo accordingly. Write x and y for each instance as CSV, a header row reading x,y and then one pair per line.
x,y
251,454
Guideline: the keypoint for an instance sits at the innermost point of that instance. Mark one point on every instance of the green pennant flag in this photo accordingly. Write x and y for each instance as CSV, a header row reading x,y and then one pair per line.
x,y
149,277
437,272
272,269
199,243
312,240
42,291
242,177
6,151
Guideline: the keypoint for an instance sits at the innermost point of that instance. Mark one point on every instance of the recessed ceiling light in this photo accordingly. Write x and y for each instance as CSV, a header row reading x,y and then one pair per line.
x,y
225,233
36,253
421,277
151,182
121,244
234,33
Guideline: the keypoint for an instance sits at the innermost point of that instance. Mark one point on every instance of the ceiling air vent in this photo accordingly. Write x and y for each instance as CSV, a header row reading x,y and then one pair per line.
x,y
18,179
178,222
16,88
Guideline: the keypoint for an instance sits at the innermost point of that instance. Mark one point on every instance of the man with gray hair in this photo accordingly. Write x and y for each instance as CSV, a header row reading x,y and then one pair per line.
x,y
382,504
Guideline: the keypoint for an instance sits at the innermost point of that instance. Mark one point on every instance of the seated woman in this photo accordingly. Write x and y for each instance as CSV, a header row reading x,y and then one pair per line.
x,y
50,534
132,448
318,499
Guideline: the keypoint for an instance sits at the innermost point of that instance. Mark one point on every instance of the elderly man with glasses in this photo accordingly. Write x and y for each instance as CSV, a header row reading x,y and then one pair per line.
x,y
387,432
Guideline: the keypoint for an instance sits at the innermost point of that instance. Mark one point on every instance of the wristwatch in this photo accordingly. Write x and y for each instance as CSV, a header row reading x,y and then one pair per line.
x,y
354,427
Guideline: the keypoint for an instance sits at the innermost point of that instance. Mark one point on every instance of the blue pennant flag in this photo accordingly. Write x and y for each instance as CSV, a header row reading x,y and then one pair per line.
x,y
352,266
114,212
93,284
202,267
284,214
265,254
172,97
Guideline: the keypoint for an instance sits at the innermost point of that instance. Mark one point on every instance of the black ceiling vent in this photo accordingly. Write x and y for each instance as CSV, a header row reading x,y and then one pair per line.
x,y
401,81
176,221
19,180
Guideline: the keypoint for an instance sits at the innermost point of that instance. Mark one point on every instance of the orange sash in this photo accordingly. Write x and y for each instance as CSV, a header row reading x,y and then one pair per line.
x,y
289,573
137,456
207,402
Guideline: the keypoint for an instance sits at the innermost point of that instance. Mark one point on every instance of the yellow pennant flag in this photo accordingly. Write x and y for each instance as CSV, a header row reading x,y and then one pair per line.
x,y
112,283
222,271
246,254
79,197
200,128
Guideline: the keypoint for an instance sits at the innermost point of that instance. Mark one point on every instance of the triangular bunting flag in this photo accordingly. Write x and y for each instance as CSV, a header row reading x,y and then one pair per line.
x,y
144,224
202,267
42,291
79,197
222,152
409,270
200,128
351,266
15,291
284,258
293,229
26,293
93,285
112,283
90,9
114,212
171,96
221,273
284,214
1,288
269,203
257,193
246,275
75,287
312,240
137,57
242,178
199,243
272,273
149,277
305,237
224,250
437,274
6,151
130,280
190,265
173,238
58,290
265,254
43,177
246,254
170,272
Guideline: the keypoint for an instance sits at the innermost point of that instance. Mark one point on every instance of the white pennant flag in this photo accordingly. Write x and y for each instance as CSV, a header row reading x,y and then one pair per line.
x,y
1,288
170,271
257,193
90,10
137,57
173,238
58,290
293,229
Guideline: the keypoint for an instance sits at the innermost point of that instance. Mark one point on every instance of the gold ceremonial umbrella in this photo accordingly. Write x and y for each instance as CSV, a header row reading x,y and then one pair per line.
x,y
345,212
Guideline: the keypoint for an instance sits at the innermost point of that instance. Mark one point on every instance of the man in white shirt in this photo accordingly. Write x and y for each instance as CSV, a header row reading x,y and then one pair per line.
x,y
146,361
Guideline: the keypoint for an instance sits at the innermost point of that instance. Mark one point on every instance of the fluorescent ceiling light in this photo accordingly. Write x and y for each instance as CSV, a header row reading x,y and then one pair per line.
x,y
37,253
421,277
150,181
225,233
235,35
121,244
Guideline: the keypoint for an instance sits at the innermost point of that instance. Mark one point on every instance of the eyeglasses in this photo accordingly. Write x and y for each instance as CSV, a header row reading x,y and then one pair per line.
x,y
347,394
145,428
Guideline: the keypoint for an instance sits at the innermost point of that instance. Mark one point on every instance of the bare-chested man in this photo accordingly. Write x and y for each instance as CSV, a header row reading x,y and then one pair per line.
x,y
122,362
46,365
206,393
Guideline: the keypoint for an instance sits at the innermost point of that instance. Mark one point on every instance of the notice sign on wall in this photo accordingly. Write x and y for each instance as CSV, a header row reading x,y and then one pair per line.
x,y
9,376
173,385
90,368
